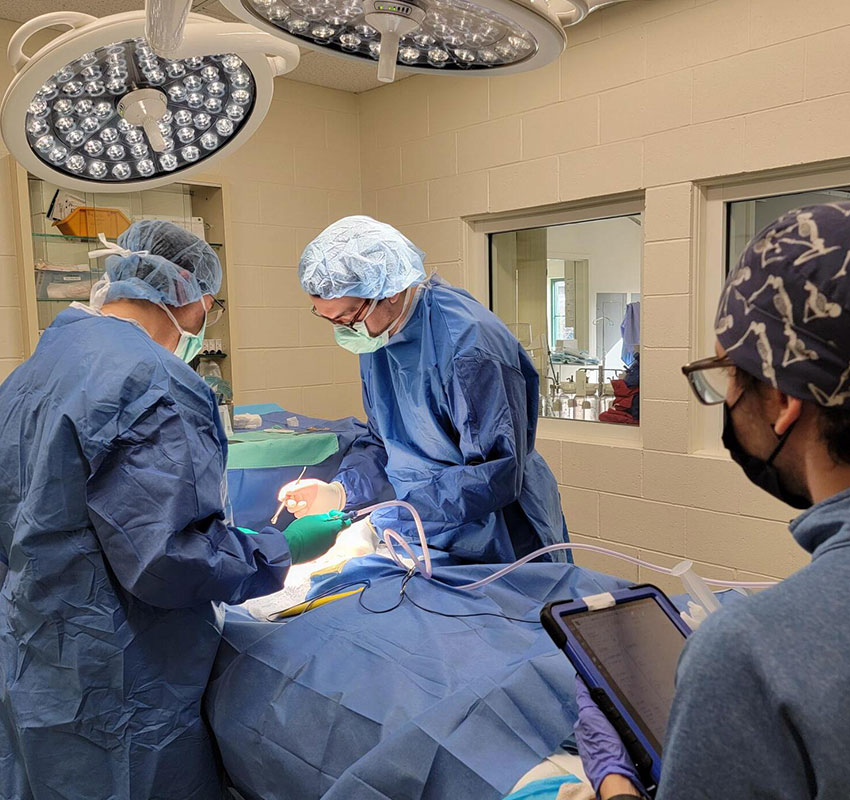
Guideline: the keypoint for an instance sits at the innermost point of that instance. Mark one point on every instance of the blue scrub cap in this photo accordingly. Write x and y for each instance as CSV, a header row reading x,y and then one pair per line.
x,y
784,314
360,257
160,262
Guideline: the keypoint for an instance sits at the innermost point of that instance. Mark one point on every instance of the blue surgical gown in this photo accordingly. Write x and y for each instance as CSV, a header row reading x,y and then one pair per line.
x,y
111,465
451,403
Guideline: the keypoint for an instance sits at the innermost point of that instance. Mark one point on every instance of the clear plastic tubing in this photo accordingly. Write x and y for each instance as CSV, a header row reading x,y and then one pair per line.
x,y
422,564
391,538
695,585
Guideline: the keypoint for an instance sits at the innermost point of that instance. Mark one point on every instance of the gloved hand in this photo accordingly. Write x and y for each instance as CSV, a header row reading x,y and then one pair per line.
x,y
599,745
312,536
311,496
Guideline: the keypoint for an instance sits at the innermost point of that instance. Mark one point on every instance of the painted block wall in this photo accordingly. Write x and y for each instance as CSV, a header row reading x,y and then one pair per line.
x,y
650,97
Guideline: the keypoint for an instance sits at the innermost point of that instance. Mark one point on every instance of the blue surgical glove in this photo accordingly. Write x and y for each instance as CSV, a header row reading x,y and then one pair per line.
x,y
600,747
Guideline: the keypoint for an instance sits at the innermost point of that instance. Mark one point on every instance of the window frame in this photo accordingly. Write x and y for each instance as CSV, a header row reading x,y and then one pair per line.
x,y
713,199
552,309
476,255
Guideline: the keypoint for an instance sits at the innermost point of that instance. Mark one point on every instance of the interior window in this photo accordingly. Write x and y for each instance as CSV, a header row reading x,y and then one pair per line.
x,y
571,295
745,218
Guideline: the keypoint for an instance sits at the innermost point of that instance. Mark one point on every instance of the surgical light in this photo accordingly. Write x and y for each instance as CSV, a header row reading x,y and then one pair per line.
x,y
430,36
97,109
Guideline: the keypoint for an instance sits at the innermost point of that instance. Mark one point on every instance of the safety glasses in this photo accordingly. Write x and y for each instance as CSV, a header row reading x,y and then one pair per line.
x,y
709,378
351,322
216,312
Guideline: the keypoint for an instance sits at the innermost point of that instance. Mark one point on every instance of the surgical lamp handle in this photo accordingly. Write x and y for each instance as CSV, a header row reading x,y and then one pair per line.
x,y
388,56
71,19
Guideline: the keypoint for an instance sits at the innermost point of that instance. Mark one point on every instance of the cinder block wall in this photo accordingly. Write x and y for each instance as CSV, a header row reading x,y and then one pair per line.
x,y
650,96
297,174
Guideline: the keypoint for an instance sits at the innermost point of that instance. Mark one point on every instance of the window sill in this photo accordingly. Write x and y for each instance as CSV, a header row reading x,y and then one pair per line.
x,y
574,430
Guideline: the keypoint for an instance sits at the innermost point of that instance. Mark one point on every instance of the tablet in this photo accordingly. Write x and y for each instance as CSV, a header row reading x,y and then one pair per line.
x,y
625,646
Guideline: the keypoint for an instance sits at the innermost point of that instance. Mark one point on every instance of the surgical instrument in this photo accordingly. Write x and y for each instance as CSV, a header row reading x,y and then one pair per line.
x,y
282,505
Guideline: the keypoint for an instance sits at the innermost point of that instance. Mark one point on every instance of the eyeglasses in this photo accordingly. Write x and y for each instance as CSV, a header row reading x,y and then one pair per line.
x,y
337,321
709,378
216,312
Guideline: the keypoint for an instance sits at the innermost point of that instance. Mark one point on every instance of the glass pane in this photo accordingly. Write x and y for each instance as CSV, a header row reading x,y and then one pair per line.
x,y
571,295
745,218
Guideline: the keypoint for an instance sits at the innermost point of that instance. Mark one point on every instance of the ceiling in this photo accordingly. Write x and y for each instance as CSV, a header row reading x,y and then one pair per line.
x,y
317,68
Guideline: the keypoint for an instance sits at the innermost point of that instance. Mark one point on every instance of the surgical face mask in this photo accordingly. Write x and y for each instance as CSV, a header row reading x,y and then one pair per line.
x,y
189,344
356,337
763,473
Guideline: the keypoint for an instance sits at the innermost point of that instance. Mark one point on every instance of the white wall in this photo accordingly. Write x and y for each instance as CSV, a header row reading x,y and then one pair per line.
x,y
613,248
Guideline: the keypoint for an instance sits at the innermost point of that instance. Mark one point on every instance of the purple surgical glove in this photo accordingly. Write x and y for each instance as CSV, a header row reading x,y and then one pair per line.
x,y
602,751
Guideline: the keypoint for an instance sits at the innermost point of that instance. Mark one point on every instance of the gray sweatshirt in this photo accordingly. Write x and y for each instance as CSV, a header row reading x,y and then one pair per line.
x,y
762,706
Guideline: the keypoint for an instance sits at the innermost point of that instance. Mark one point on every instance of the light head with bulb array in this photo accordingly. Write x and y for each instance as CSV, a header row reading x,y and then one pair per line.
x,y
96,109
448,36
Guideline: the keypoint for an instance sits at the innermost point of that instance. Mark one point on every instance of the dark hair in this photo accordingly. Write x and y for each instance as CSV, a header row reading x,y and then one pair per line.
x,y
834,423
834,426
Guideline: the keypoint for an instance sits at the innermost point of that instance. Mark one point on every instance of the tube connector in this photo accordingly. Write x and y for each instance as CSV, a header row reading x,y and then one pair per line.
x,y
695,586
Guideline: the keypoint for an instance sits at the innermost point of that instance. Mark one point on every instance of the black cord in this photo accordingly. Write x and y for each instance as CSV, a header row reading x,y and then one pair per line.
x,y
277,616
402,596
382,610
473,614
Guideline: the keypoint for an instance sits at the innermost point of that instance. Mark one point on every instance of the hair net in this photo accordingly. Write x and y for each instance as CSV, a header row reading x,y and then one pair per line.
x,y
784,314
160,262
360,257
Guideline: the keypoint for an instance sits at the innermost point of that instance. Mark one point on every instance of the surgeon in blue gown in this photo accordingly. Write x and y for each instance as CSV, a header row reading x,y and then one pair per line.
x,y
112,525
451,399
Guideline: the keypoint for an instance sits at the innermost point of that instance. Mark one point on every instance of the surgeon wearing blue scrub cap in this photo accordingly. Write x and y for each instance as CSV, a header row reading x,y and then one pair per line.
x,y
450,395
112,460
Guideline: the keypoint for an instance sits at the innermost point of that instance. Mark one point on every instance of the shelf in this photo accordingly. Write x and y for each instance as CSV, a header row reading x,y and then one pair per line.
x,y
215,245
60,300
212,355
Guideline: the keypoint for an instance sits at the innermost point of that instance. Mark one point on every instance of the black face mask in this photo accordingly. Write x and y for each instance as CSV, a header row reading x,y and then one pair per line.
x,y
763,474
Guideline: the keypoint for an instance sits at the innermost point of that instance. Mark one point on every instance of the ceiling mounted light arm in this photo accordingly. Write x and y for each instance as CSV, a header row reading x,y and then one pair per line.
x,y
69,19
581,8
164,24
203,38
279,65
579,11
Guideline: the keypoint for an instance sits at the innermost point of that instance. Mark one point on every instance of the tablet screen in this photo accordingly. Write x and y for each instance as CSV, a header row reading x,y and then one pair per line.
x,y
636,647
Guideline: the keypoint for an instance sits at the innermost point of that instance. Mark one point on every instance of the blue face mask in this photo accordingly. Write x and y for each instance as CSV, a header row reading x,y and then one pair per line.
x,y
189,344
